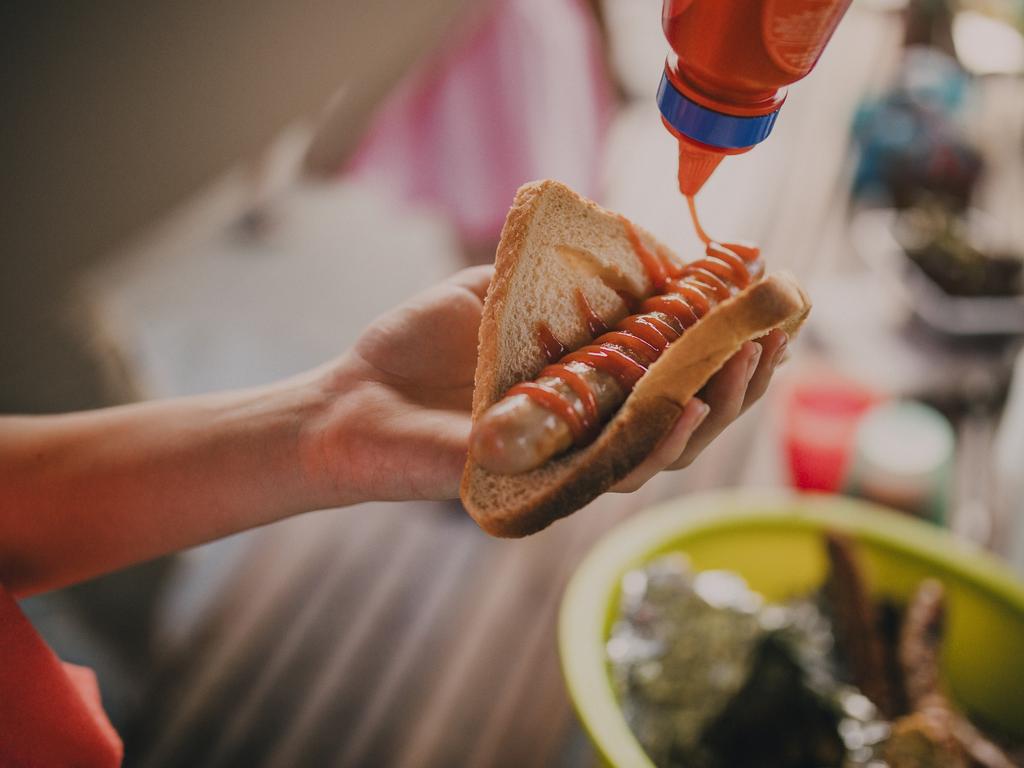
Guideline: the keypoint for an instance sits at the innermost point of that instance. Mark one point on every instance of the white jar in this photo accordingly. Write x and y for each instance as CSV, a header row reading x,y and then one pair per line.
x,y
903,458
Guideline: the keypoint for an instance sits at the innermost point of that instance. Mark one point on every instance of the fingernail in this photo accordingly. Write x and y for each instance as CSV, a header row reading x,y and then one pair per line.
x,y
780,352
703,409
752,364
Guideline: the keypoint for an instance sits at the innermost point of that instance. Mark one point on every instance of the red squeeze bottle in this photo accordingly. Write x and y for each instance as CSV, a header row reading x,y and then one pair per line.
x,y
725,82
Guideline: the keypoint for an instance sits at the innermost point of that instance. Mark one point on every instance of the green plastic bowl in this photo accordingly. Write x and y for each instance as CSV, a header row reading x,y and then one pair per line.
x,y
773,539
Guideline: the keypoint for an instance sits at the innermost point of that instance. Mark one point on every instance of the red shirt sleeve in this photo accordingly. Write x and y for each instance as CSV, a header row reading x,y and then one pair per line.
x,y
50,712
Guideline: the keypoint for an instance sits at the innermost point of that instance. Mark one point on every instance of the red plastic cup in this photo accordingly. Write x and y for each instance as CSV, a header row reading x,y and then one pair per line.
x,y
820,425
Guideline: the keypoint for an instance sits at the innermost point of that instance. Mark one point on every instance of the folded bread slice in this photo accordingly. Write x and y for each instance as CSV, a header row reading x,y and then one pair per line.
x,y
555,243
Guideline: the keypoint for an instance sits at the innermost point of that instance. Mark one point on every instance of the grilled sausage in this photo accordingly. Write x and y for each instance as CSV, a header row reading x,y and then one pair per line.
x,y
570,401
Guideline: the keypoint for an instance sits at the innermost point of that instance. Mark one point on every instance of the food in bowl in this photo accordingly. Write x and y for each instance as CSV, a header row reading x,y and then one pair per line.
x,y
709,674
944,246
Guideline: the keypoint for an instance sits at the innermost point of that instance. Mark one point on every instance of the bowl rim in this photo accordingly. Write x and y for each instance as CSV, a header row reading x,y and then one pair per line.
x,y
584,610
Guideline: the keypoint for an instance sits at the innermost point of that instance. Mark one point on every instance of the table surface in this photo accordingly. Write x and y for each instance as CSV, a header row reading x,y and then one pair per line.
x,y
401,635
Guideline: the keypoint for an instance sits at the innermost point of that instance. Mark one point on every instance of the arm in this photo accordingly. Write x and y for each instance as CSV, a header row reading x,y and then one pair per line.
x,y
87,493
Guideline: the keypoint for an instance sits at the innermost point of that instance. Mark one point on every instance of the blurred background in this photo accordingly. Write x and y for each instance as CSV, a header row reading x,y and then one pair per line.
x,y
200,196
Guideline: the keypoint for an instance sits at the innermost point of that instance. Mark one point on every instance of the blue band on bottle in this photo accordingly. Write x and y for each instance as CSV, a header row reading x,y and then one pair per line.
x,y
710,127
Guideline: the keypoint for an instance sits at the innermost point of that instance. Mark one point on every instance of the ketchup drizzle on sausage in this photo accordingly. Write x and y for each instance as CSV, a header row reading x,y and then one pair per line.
x,y
694,297
745,251
651,329
633,342
579,386
551,399
712,265
699,276
737,269
611,360
675,306
683,293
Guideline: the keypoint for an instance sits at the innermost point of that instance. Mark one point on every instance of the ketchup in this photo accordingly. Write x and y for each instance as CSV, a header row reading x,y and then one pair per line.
x,y
595,324
683,293
696,219
553,348
582,390
654,265
725,82
551,399
632,301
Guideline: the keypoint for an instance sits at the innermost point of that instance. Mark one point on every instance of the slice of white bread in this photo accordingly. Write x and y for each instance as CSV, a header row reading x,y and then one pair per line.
x,y
553,242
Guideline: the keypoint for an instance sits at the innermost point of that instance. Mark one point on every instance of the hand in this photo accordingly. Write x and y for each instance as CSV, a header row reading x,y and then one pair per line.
x,y
737,386
398,420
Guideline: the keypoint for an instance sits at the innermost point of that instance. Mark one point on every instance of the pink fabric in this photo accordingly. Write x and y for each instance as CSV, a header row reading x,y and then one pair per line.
x,y
50,712
520,94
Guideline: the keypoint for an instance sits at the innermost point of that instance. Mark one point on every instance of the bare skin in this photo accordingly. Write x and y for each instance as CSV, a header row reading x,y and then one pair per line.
x,y
87,493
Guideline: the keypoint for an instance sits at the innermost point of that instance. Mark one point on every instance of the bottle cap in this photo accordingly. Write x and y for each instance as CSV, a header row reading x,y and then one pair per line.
x,y
716,129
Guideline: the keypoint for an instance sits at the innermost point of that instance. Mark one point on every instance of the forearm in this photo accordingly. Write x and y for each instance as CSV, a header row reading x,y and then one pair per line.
x,y
87,493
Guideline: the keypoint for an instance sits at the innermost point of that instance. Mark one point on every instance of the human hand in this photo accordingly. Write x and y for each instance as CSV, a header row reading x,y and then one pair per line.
x,y
397,419
730,392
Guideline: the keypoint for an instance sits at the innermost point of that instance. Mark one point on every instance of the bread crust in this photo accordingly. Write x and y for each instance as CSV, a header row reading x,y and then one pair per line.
x,y
518,505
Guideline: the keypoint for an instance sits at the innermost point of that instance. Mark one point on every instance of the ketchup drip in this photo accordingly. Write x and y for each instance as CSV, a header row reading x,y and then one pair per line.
x,y
746,251
683,293
553,348
632,301
672,267
654,266
696,220
595,324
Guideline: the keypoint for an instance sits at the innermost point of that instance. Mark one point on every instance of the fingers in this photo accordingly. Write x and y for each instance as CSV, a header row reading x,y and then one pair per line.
x,y
474,279
724,394
668,450
740,383
773,349
737,386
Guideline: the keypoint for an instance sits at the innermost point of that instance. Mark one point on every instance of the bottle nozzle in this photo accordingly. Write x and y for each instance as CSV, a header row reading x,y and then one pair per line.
x,y
696,164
